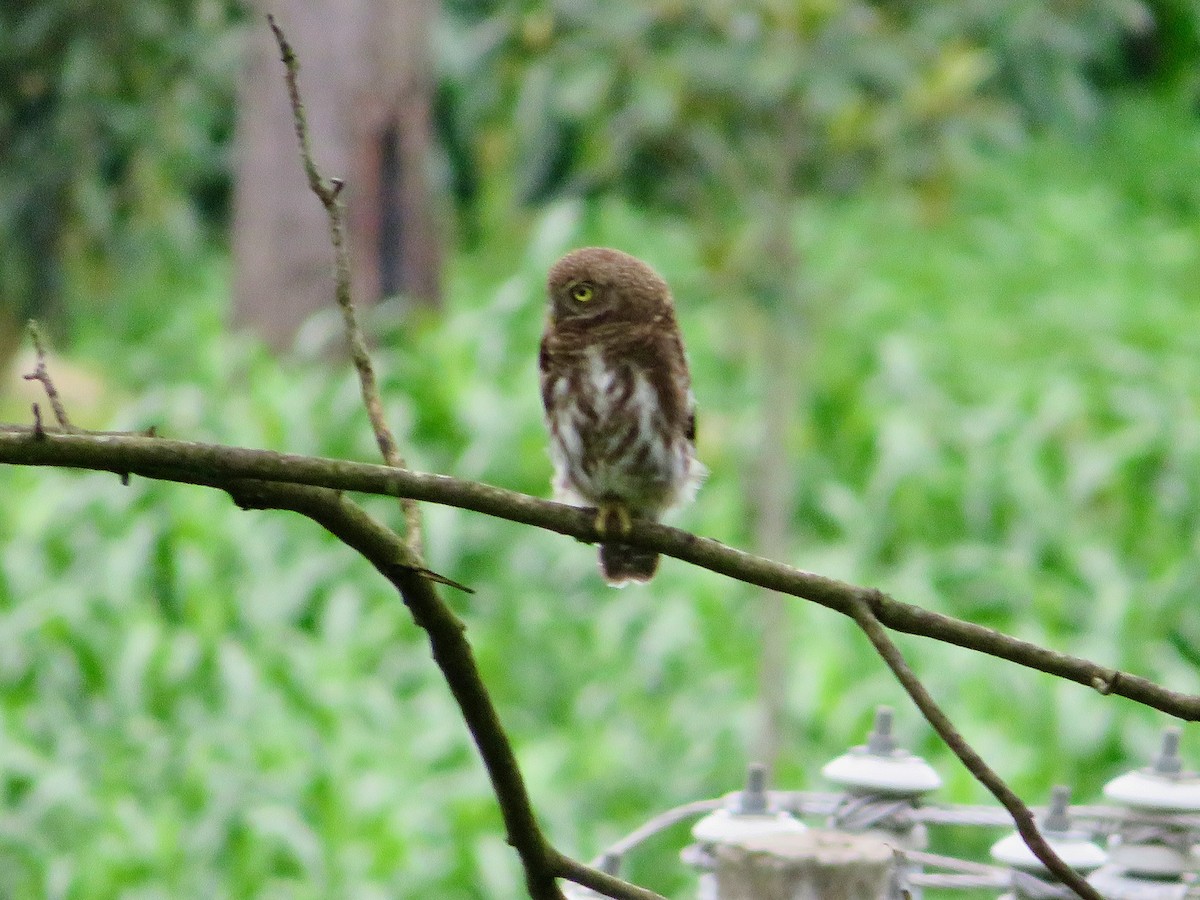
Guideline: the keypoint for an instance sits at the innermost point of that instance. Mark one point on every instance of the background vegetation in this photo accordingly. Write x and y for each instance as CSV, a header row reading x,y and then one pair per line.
x,y
1000,422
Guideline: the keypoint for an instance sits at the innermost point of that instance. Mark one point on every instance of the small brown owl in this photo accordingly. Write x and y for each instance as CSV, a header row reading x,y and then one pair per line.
x,y
618,399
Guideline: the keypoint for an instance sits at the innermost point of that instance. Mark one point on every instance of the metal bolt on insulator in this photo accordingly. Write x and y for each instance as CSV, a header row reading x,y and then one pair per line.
x,y
881,768
883,784
1030,878
747,814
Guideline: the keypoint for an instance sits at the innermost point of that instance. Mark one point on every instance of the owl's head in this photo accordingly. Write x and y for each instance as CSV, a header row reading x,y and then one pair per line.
x,y
601,283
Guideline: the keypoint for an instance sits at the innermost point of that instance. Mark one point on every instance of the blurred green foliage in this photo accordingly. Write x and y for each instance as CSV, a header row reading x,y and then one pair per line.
x,y
116,120
673,102
201,702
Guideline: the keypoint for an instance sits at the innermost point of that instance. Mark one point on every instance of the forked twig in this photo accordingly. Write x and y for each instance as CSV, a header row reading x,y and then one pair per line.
x,y
864,614
42,374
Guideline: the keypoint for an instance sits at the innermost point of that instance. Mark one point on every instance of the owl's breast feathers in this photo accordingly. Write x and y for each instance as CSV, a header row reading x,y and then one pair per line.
x,y
620,411
607,351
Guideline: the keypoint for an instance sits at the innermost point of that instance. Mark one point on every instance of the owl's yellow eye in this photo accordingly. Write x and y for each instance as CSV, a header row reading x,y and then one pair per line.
x,y
582,293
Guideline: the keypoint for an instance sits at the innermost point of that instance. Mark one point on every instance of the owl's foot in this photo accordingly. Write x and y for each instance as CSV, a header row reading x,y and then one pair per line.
x,y
607,512
619,563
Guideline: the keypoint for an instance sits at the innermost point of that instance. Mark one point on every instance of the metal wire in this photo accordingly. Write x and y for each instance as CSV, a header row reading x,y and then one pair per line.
x,y
859,813
956,882
1102,820
956,874
661,822
954,864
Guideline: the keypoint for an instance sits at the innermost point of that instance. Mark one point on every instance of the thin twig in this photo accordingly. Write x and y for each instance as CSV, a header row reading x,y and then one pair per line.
x,y
442,579
187,462
601,882
42,374
864,615
329,193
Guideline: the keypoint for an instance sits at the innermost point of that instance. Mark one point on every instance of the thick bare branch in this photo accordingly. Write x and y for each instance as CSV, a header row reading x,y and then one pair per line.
x,y
451,650
187,462
863,613
394,559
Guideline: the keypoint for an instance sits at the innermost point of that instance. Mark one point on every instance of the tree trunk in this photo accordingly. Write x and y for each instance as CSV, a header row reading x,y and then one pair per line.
x,y
786,343
776,491
366,81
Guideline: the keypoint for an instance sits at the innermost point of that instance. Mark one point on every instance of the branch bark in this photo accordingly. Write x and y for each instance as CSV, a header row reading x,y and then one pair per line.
x,y
396,562
42,375
196,463
394,559
598,881
864,614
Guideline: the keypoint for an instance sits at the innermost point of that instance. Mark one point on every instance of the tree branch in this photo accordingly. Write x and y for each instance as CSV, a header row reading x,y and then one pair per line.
x,y
329,193
196,463
395,560
861,609
598,881
451,651
41,374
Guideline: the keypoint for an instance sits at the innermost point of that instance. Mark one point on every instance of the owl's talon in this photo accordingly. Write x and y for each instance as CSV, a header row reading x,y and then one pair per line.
x,y
607,511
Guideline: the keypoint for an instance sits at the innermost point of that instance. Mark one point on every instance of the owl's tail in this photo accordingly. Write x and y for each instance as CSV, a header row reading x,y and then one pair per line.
x,y
620,564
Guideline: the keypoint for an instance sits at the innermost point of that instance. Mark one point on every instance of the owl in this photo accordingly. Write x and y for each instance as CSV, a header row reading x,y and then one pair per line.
x,y
618,400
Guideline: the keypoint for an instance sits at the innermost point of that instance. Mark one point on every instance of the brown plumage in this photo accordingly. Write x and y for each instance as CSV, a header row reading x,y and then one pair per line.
x,y
618,399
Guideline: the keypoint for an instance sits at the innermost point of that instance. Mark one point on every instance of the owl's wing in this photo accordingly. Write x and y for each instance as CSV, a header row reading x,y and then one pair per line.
x,y
544,369
683,381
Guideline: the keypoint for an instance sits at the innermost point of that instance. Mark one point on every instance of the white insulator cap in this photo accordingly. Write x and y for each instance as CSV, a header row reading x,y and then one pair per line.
x,y
726,826
880,767
1163,786
1077,852
1115,884
1150,859
747,813
1073,847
